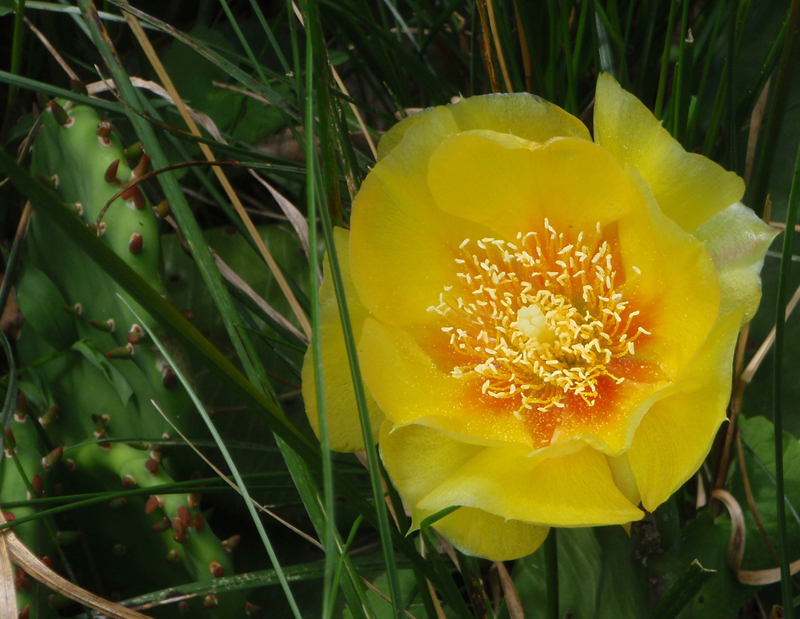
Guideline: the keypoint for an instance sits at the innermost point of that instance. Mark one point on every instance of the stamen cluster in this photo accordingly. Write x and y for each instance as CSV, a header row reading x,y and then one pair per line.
x,y
539,319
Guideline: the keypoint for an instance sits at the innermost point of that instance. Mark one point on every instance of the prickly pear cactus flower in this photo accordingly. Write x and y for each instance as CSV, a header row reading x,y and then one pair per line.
x,y
545,322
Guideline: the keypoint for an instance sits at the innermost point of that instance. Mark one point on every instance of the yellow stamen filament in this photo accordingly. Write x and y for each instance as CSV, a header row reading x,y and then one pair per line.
x,y
540,318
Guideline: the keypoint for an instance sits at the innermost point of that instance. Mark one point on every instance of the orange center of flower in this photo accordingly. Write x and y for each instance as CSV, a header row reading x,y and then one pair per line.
x,y
540,319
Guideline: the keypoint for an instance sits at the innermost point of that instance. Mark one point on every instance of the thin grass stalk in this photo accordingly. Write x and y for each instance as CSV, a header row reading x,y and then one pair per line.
x,y
731,130
678,76
579,34
777,381
717,112
757,191
316,344
662,78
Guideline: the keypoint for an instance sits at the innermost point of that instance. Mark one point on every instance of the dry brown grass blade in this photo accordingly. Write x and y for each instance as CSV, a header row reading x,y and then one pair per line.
x,y
737,544
141,36
231,275
526,54
761,353
8,596
751,502
53,52
33,566
755,127
498,48
513,603
292,213
488,61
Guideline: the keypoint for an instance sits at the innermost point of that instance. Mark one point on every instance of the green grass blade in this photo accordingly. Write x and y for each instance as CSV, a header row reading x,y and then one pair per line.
x,y
314,200
777,381
662,77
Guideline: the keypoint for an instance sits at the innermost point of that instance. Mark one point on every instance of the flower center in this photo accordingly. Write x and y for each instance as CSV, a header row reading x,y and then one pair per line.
x,y
541,319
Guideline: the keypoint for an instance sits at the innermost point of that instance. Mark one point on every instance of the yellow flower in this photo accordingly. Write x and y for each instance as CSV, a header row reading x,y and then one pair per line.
x,y
545,323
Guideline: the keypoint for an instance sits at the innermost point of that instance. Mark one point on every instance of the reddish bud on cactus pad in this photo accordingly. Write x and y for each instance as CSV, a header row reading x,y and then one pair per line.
x,y
120,352
59,113
53,458
129,481
110,175
137,196
103,129
136,243
49,416
210,601
142,167
216,569
152,505
183,514
151,466
38,486
232,542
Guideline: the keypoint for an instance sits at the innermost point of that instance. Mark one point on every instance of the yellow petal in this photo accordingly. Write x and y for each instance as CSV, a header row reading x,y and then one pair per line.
x,y
395,135
678,290
675,436
343,421
520,114
402,246
523,115
410,388
573,490
480,534
418,459
511,185
689,188
737,240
